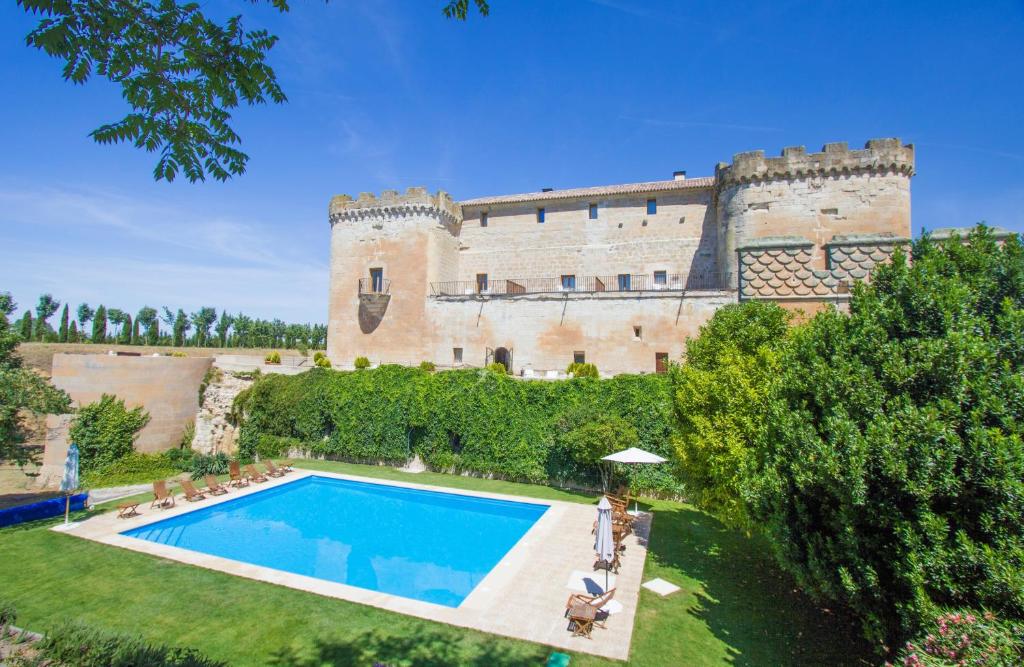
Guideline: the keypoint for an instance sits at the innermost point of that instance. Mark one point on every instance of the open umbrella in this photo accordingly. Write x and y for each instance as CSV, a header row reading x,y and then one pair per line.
x,y
634,455
69,482
604,545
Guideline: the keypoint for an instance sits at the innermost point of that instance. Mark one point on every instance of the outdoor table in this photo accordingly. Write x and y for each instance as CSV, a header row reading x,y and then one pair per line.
x,y
581,617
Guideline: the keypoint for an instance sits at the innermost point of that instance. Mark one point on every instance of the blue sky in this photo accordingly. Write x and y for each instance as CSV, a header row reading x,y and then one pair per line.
x,y
388,93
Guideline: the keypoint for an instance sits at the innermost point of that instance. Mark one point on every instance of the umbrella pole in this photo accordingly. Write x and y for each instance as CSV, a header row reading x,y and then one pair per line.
x,y
67,507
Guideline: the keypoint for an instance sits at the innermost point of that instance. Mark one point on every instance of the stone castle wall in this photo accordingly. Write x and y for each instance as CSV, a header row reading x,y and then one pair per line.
x,y
798,229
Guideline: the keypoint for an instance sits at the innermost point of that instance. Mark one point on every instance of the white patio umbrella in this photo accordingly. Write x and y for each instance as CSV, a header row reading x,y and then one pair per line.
x,y
604,544
633,456
69,482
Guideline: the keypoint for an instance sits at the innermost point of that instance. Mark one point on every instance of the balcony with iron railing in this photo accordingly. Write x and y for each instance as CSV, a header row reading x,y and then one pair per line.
x,y
567,284
374,286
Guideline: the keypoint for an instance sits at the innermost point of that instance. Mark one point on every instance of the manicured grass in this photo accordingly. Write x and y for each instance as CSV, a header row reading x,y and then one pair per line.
x,y
735,606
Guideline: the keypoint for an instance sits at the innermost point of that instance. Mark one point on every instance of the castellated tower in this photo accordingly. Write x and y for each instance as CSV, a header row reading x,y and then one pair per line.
x,y
804,225
385,253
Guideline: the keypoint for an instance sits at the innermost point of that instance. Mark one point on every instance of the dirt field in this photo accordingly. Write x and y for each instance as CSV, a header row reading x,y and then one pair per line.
x,y
40,355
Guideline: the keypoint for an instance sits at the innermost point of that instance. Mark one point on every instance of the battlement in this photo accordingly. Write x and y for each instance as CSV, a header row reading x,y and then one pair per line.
x,y
391,203
877,156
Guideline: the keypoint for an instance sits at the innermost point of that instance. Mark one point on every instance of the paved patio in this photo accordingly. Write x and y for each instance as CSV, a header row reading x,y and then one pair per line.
x,y
522,597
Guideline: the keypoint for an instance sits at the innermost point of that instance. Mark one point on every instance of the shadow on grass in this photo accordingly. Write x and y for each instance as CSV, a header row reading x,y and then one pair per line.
x,y
435,648
748,602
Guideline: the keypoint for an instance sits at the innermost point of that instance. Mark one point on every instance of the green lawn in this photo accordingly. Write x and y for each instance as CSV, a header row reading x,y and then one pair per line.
x,y
735,606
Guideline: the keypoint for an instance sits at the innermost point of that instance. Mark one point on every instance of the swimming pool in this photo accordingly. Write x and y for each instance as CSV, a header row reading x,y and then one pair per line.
x,y
426,545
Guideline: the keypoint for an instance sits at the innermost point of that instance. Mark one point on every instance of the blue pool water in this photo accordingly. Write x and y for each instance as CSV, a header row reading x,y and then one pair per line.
x,y
424,545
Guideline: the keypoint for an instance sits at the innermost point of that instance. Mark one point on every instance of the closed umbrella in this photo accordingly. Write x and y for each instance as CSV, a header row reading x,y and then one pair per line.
x,y
69,482
634,456
604,545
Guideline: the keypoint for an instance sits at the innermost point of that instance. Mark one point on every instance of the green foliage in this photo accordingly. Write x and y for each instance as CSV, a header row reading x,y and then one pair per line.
x,y
589,440
105,431
149,319
8,615
125,336
965,637
893,479
62,334
459,9
495,367
362,363
202,321
208,464
322,362
131,468
318,355
80,645
723,394
272,358
85,313
471,421
180,458
428,366
213,375
582,370
45,309
22,392
26,325
99,325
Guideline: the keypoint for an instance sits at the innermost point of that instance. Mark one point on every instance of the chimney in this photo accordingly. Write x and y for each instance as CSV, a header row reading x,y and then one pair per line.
x,y
546,189
679,175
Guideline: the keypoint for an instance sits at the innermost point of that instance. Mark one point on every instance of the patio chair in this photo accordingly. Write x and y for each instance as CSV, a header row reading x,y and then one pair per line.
x,y
287,466
593,601
254,474
273,470
191,492
235,471
162,498
213,486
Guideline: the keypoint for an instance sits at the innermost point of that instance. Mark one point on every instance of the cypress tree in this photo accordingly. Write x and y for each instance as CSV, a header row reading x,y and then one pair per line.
x,y
73,332
26,326
99,325
126,330
135,333
63,333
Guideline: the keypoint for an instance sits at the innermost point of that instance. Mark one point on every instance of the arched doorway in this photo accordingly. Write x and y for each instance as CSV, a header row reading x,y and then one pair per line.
x,y
503,356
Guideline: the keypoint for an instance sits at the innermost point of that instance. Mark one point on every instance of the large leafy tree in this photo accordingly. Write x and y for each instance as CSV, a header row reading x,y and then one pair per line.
x,y
893,476
148,318
202,320
181,73
22,391
45,309
85,314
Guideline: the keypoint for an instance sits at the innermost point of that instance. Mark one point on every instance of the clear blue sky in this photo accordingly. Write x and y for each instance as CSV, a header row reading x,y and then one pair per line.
x,y
387,94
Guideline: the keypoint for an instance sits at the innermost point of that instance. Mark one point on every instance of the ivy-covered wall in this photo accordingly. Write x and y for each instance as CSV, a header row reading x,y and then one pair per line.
x,y
474,421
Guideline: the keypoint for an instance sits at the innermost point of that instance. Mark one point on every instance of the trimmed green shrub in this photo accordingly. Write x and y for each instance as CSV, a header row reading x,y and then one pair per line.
x,y
272,358
582,370
318,355
470,421
362,363
105,431
428,366
322,362
965,637
133,468
80,645
495,367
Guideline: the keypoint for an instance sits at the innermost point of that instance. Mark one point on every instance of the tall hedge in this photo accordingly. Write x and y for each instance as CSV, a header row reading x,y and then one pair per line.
x,y
464,420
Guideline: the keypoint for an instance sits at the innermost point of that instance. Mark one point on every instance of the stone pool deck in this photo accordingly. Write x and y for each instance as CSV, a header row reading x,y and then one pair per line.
x,y
523,597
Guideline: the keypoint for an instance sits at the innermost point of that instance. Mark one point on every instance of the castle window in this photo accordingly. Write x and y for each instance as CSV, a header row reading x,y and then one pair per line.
x,y
579,357
660,278
569,282
638,332
624,282
457,355
661,362
652,206
377,279
593,211
481,283
483,219
540,216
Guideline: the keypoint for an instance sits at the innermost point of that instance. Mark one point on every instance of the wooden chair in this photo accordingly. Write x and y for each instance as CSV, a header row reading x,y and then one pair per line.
x,y
235,471
595,602
273,470
254,474
191,492
127,510
162,498
581,619
213,486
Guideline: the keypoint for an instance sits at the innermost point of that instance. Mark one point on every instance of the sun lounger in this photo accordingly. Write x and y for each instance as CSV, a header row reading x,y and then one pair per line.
x,y
162,498
237,479
273,470
191,492
214,487
254,474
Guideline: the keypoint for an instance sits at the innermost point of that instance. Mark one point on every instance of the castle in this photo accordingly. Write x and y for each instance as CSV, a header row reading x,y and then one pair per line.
x,y
620,275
